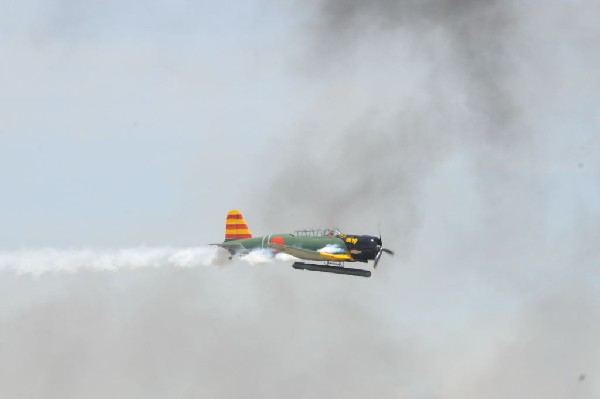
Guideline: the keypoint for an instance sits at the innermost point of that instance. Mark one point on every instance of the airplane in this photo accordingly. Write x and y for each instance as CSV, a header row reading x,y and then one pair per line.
x,y
321,245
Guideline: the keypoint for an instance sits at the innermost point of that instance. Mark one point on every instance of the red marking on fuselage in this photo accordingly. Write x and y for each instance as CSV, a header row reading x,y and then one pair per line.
x,y
278,240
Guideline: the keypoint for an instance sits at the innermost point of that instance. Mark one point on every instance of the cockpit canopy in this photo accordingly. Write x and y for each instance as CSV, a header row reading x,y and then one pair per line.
x,y
325,232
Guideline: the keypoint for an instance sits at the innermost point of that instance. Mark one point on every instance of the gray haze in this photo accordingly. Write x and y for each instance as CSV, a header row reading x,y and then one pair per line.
x,y
446,123
466,130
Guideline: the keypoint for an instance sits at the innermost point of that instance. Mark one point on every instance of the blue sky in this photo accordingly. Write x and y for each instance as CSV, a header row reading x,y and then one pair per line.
x,y
114,115
125,124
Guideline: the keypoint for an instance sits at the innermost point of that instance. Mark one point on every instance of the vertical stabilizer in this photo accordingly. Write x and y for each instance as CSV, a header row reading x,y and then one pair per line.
x,y
236,227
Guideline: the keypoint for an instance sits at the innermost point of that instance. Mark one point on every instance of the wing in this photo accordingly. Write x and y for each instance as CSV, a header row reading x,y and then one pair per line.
x,y
308,254
233,248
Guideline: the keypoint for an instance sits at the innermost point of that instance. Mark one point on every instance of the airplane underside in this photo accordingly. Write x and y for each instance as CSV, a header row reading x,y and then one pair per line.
x,y
331,268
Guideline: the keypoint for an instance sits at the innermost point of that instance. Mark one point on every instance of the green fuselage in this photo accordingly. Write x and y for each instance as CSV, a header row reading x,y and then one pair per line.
x,y
309,243
356,248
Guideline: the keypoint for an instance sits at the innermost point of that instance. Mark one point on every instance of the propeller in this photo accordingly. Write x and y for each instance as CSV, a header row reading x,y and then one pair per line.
x,y
381,251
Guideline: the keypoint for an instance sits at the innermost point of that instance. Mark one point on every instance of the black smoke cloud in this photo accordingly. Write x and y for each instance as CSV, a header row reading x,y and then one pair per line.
x,y
443,122
478,34
405,85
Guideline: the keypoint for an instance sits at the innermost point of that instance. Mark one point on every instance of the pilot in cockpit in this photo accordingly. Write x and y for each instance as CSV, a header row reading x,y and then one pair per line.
x,y
331,232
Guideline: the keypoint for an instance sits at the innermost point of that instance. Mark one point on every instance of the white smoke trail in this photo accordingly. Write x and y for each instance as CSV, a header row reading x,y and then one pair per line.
x,y
48,260
266,255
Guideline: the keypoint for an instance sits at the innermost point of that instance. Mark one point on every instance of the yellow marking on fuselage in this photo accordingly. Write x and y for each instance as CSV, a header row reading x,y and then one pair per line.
x,y
336,257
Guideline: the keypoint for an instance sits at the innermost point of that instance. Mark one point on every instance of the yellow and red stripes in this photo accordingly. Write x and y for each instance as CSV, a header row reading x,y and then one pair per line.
x,y
236,227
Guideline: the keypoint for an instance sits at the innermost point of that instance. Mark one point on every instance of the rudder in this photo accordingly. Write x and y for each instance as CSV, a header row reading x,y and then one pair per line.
x,y
236,227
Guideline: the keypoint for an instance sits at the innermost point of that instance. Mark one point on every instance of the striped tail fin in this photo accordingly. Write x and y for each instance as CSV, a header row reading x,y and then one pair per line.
x,y
236,227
